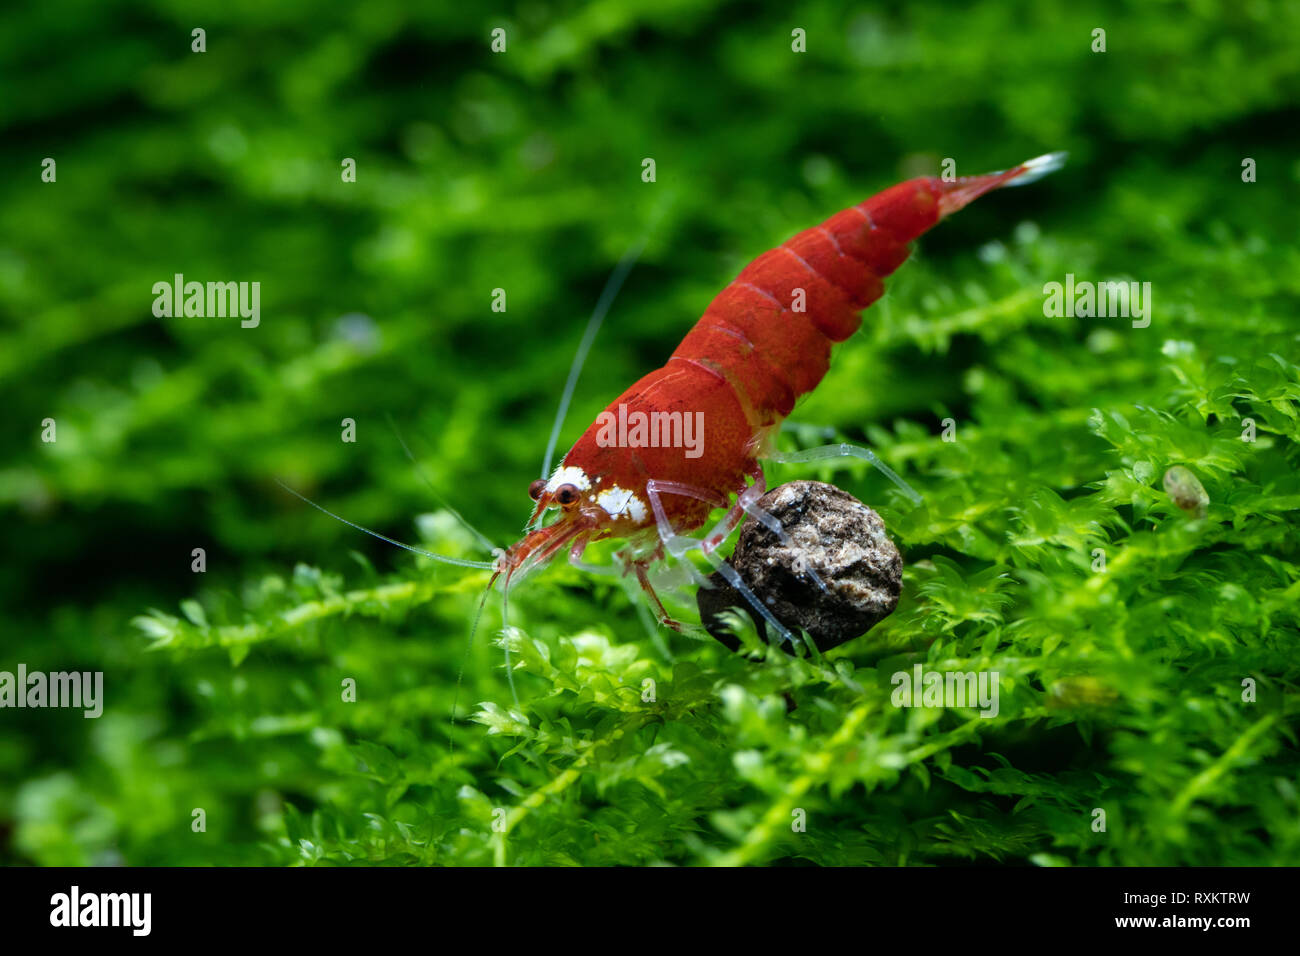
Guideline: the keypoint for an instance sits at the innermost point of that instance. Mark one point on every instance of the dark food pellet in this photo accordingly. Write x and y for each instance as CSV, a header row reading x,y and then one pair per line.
x,y
830,532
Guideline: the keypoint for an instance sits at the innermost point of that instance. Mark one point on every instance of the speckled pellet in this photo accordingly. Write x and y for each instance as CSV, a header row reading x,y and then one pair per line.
x,y
829,532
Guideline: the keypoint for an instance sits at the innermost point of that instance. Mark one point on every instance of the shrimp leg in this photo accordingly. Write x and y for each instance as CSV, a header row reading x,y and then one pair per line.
x,y
715,538
745,505
679,545
638,567
844,450
575,559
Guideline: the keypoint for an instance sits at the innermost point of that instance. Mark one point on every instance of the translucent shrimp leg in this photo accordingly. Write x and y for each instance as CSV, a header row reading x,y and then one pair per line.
x,y
679,545
747,503
844,450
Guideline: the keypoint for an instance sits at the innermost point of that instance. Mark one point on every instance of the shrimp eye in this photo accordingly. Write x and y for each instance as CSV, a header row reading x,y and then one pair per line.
x,y
536,488
566,494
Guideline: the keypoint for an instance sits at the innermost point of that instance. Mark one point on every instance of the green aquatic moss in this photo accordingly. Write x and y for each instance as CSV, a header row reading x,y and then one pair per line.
x,y
311,691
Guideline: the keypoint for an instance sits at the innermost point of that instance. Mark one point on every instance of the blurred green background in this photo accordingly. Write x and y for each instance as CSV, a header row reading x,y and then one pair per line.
x,y
522,171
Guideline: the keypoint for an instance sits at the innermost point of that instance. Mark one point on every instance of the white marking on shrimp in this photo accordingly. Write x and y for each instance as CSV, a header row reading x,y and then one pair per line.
x,y
1038,167
568,475
734,333
762,292
700,365
804,262
829,235
618,501
865,215
799,259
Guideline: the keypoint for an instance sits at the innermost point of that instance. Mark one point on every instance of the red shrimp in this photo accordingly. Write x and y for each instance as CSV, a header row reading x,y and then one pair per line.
x,y
760,345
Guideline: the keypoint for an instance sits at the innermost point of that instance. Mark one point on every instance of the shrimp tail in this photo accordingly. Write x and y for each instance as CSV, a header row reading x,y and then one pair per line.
x,y
905,211
962,192
778,320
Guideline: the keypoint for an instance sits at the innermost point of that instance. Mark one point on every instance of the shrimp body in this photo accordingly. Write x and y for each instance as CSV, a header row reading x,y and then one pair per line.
x,y
763,342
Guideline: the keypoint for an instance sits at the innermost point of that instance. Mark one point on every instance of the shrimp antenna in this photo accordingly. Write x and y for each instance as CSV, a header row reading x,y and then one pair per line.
x,y
469,644
612,286
459,562
482,539
505,640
